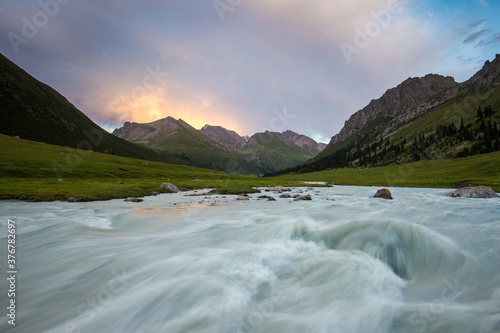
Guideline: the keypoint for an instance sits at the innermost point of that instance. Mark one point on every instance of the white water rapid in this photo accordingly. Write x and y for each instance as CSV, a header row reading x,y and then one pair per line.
x,y
343,262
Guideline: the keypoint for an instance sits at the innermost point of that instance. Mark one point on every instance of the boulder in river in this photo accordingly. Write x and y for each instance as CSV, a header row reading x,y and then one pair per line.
x,y
475,192
130,199
242,197
285,195
268,197
384,194
169,187
303,197
154,193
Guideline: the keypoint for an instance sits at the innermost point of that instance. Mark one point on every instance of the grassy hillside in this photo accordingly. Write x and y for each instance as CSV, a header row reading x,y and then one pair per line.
x,y
37,171
33,110
447,173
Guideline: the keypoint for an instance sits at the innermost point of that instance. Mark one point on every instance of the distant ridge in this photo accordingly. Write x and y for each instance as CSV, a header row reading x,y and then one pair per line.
x,y
219,148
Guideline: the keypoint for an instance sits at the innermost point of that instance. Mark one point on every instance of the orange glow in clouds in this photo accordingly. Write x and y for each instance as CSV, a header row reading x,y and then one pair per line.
x,y
153,106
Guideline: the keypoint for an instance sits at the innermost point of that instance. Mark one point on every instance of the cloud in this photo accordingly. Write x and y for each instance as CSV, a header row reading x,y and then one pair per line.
x,y
264,56
493,40
476,23
473,37
483,3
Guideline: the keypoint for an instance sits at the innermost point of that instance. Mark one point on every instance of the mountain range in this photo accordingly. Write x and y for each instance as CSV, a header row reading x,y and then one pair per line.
x,y
218,148
428,117
423,118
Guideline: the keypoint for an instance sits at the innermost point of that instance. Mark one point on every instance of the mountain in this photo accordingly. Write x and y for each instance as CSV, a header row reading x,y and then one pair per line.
x,y
396,106
422,118
32,110
304,142
177,138
218,148
224,136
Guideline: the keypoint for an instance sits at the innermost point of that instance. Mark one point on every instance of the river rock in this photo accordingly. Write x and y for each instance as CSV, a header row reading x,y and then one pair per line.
x,y
285,195
154,193
268,197
169,187
242,197
303,197
384,194
475,192
277,188
73,199
130,199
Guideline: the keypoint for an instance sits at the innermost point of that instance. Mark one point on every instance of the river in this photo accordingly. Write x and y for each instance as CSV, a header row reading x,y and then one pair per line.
x,y
343,262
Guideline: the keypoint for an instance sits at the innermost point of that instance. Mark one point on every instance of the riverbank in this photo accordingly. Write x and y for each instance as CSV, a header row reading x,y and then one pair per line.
x,y
443,173
35,171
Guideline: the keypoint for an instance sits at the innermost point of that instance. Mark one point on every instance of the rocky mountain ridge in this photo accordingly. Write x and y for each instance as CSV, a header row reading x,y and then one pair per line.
x,y
220,148
431,117
404,102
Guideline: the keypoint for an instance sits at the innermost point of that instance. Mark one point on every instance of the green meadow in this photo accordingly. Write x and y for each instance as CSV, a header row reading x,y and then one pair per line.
x,y
35,171
475,170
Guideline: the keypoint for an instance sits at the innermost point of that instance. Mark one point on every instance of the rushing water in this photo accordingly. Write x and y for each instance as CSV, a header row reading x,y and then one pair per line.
x,y
343,262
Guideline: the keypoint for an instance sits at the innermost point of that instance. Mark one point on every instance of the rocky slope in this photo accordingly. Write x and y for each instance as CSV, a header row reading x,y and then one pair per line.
x,y
224,136
422,118
401,106
404,102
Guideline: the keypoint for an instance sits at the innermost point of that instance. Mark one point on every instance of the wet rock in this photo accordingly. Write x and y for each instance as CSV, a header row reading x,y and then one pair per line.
x,y
169,187
243,197
384,194
268,197
73,199
154,193
285,196
303,197
475,192
130,199
296,196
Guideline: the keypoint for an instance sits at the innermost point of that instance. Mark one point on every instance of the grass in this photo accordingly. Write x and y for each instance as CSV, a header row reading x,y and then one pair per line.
x,y
35,171
453,173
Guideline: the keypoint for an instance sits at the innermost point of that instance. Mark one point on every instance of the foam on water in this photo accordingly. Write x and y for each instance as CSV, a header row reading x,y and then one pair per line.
x,y
343,262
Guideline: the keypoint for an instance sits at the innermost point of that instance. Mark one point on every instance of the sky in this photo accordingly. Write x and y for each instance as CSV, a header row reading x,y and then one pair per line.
x,y
246,65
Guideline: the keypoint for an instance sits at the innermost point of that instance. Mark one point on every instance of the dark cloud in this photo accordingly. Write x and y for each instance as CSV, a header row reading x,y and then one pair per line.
x,y
476,24
493,40
473,37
